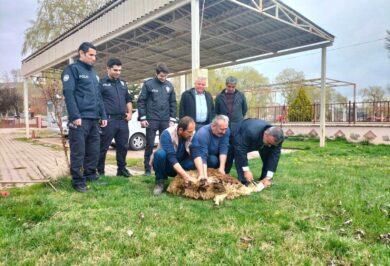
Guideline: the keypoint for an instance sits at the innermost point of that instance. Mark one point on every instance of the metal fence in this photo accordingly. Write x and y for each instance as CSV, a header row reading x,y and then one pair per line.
x,y
351,112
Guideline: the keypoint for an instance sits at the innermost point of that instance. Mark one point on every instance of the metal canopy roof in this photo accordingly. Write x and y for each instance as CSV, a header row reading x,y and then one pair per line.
x,y
232,32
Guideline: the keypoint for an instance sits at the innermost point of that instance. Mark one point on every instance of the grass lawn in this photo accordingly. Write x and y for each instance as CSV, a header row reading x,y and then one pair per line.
x,y
326,206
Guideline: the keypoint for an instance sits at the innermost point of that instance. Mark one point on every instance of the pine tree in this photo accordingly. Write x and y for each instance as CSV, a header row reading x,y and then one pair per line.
x,y
301,108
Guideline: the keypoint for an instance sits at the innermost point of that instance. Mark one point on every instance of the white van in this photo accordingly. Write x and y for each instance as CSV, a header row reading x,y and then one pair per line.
x,y
137,134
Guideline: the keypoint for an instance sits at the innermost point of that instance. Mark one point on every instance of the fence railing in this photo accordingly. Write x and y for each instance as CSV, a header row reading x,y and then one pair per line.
x,y
13,122
350,112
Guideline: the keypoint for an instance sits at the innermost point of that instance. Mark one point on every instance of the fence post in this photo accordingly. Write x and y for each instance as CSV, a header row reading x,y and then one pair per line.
x,y
349,112
354,112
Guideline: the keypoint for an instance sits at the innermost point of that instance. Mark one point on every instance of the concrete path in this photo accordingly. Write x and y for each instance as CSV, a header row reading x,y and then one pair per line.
x,y
23,163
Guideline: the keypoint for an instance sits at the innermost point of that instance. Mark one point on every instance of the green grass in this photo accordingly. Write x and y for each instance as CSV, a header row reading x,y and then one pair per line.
x,y
299,220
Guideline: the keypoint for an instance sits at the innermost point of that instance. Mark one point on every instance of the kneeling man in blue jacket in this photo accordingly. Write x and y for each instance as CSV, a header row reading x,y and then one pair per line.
x,y
210,145
256,135
173,153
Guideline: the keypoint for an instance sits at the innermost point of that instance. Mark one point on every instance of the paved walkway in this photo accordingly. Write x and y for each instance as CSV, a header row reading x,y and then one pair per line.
x,y
23,163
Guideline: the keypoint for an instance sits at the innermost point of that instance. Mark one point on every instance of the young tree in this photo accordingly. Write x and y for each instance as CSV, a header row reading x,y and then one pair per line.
x,y
55,17
301,108
50,86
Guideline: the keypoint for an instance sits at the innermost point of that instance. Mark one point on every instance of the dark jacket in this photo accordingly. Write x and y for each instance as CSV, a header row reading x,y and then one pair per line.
x,y
157,101
115,95
239,107
188,105
248,137
81,90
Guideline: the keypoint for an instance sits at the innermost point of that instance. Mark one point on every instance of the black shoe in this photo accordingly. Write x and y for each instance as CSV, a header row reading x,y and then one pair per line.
x,y
124,173
148,172
80,188
158,189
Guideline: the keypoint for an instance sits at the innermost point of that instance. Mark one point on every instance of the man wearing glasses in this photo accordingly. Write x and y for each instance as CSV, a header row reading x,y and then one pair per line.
x,y
156,108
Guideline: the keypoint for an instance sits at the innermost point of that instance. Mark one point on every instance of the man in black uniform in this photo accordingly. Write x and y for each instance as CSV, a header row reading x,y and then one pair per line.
x,y
256,135
156,108
85,109
118,105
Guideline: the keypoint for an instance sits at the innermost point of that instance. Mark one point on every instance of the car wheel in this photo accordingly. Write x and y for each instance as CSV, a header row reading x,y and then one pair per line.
x,y
137,142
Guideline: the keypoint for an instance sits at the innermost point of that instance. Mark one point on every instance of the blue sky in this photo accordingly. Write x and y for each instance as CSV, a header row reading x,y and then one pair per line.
x,y
352,22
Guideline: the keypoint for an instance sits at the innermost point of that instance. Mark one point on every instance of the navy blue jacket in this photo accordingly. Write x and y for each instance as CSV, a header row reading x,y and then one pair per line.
x,y
115,95
204,143
157,101
81,90
173,156
248,137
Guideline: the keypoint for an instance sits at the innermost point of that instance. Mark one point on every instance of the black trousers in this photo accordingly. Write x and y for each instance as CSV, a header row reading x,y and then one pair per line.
x,y
84,143
154,126
117,129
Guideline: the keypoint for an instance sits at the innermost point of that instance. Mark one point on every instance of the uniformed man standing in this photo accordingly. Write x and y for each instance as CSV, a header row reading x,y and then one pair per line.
x,y
118,105
85,109
156,108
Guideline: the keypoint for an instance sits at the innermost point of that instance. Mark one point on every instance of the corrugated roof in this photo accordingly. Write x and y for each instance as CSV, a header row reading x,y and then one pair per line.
x,y
231,31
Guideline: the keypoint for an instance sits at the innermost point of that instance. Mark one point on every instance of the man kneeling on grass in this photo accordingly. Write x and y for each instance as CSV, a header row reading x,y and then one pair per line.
x,y
173,153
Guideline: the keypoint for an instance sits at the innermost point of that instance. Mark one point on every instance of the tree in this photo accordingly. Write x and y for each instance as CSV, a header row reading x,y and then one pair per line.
x,y
10,99
373,94
301,108
51,89
388,41
55,17
292,79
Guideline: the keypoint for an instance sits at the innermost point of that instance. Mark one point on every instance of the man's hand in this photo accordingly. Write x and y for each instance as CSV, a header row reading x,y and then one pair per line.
x,y
248,176
266,182
186,179
221,170
77,122
128,116
104,123
144,123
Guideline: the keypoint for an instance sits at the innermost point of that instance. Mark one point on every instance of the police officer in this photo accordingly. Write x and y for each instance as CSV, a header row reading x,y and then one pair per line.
x,y
118,105
156,108
85,109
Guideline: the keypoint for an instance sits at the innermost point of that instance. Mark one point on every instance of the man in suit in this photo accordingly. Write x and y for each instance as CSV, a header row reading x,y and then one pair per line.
x,y
256,135
197,104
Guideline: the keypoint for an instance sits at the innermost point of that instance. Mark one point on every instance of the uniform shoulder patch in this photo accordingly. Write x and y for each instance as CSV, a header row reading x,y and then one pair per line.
x,y
65,78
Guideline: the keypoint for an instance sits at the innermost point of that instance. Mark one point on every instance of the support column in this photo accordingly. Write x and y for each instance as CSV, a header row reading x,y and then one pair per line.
x,y
195,39
354,103
25,104
182,84
323,100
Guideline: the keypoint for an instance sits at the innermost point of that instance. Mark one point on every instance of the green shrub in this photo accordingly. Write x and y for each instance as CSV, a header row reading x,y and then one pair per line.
x,y
301,108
